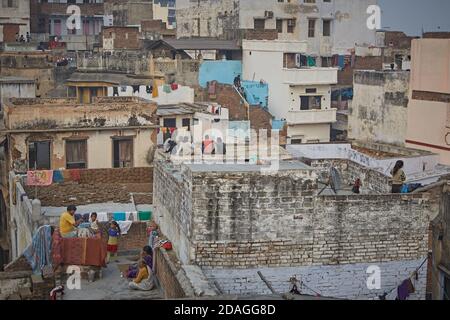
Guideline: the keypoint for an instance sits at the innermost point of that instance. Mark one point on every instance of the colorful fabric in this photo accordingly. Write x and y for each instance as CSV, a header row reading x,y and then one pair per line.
x,y
311,62
155,92
58,176
142,275
40,178
57,246
145,215
124,226
39,252
174,86
66,223
405,289
166,88
112,248
119,216
75,175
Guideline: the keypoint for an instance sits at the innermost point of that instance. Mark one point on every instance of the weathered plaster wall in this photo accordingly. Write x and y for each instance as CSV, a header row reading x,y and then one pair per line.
x,y
379,109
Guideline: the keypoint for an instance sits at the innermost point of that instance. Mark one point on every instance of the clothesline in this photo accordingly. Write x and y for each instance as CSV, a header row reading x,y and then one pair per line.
x,y
413,274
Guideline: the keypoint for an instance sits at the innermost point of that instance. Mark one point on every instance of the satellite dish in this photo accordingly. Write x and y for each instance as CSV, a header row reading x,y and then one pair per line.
x,y
334,181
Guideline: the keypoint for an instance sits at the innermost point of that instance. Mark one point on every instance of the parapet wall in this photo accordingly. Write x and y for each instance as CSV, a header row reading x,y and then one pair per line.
x,y
247,219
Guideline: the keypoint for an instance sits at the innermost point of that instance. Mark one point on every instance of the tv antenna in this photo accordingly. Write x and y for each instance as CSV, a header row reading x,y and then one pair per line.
x,y
333,182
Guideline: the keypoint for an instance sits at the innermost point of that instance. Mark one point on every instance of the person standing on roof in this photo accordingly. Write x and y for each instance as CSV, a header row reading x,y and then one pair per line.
x,y
398,177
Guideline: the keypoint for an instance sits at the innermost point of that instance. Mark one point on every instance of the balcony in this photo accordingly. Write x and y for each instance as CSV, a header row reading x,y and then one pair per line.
x,y
310,76
311,116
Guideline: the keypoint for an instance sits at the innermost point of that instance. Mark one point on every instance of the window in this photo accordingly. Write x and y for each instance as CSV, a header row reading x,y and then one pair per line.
x,y
76,154
296,141
123,153
326,28
311,90
291,25
259,24
310,102
280,25
311,28
39,155
186,123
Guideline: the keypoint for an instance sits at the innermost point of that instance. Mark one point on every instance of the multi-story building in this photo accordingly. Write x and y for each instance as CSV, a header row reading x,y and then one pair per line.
x,y
14,19
299,92
54,18
429,105
129,12
165,10
329,27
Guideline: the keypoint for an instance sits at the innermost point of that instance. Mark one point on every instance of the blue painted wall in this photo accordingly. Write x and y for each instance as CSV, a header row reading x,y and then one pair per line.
x,y
223,71
256,93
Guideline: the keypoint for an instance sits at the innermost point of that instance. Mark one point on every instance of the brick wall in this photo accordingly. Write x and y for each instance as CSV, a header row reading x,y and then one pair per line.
x,y
252,34
166,273
246,219
97,186
124,37
260,118
135,239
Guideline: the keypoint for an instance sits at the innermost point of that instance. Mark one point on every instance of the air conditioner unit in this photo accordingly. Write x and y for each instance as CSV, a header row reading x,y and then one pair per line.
x,y
298,60
268,14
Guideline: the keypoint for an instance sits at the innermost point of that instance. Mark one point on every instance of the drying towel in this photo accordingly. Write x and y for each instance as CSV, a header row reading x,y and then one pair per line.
x,y
40,178
75,175
58,176
39,252
102,216
145,215
124,226
166,88
132,216
119,216
174,86
155,92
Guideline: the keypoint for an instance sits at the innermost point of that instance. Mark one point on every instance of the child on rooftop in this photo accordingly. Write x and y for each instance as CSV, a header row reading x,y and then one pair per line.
x,y
113,239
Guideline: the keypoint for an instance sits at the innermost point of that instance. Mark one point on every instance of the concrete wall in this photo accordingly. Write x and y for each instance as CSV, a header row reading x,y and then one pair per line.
x,y
17,90
206,18
379,108
221,71
183,94
430,97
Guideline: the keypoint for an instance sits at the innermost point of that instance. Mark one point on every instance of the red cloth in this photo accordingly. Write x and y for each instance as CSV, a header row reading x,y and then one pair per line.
x,y
57,249
112,248
84,251
75,175
174,86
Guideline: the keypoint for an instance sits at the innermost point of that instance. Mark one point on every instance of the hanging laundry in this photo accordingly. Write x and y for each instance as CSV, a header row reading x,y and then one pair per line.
x,y
119,216
124,226
102,216
341,62
155,92
405,289
115,91
212,87
75,175
39,252
174,86
166,88
172,130
40,178
145,215
148,89
135,89
58,176
311,62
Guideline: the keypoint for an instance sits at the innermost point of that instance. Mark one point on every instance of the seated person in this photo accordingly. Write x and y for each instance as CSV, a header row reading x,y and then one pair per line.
x,y
147,257
144,279
67,223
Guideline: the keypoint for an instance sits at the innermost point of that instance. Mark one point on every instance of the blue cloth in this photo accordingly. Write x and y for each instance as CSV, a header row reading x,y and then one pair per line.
x,y
405,188
39,252
58,176
113,233
119,216
341,62
85,225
